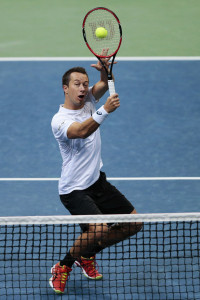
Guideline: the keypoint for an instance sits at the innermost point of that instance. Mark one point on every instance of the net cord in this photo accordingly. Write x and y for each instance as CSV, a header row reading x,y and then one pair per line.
x,y
120,218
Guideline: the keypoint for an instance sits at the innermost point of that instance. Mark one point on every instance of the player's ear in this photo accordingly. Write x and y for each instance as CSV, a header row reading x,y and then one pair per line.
x,y
65,89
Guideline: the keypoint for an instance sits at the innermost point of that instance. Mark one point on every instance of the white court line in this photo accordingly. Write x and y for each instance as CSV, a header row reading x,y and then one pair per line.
x,y
109,178
92,58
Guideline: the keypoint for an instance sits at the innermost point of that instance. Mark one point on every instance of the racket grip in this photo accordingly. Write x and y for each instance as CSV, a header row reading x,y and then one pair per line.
x,y
111,87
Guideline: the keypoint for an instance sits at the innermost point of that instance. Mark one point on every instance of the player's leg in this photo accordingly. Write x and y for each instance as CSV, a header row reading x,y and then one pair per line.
x,y
78,203
118,232
85,249
112,201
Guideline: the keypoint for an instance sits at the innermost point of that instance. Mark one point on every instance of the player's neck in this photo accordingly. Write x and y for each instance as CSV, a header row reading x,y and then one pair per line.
x,y
73,106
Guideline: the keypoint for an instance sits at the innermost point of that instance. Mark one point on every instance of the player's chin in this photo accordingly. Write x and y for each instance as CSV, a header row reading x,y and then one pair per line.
x,y
80,102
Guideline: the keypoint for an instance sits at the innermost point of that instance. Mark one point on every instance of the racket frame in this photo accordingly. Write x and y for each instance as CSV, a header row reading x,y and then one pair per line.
x,y
99,57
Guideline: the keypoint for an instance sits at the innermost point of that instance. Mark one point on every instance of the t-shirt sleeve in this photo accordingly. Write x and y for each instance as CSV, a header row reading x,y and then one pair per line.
x,y
60,126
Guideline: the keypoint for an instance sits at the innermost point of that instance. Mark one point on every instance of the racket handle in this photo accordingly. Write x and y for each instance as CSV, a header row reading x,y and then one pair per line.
x,y
111,87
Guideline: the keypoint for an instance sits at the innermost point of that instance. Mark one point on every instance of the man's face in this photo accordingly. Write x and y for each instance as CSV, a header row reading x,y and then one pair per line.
x,y
77,90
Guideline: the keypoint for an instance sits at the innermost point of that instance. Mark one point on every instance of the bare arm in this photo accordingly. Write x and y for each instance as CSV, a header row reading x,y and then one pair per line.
x,y
86,128
82,130
101,87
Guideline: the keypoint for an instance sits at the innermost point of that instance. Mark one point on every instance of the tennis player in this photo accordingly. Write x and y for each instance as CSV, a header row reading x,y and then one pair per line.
x,y
83,187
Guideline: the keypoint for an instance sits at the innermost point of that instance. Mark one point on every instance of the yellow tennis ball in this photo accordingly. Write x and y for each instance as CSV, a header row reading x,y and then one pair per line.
x,y
101,32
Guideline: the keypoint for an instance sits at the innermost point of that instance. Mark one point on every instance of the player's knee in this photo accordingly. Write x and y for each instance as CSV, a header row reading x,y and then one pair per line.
x,y
99,230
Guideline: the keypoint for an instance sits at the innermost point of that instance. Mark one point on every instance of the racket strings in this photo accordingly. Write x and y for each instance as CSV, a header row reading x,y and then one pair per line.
x,y
102,18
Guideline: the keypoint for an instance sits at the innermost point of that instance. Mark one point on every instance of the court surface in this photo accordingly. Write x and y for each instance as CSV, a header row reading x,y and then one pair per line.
x,y
150,145
154,134
53,28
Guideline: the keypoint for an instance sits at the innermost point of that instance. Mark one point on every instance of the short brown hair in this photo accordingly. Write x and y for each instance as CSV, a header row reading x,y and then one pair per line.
x,y
66,76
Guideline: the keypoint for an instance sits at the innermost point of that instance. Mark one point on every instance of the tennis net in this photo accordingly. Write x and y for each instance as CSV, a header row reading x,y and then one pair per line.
x,y
162,261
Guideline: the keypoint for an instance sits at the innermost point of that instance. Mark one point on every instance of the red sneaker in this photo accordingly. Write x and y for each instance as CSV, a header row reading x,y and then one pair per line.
x,y
88,266
59,278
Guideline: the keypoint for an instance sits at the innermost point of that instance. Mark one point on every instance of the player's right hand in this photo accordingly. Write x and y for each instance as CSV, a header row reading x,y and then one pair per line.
x,y
98,66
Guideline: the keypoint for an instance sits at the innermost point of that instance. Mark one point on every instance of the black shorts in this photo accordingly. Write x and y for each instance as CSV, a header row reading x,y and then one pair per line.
x,y
99,198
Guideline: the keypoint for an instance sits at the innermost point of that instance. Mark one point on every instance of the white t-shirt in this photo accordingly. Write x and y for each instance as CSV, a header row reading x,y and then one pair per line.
x,y
81,157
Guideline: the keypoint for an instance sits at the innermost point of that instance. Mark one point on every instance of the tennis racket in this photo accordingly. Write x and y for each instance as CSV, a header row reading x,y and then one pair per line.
x,y
108,46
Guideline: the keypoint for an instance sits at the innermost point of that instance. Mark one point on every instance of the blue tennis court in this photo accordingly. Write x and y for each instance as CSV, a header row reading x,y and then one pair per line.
x,y
150,144
155,133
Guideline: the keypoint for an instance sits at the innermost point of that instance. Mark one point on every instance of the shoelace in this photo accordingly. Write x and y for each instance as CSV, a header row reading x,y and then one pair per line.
x,y
64,276
91,266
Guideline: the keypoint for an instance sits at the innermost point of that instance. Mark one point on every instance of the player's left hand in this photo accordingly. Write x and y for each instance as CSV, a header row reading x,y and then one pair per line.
x,y
98,66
